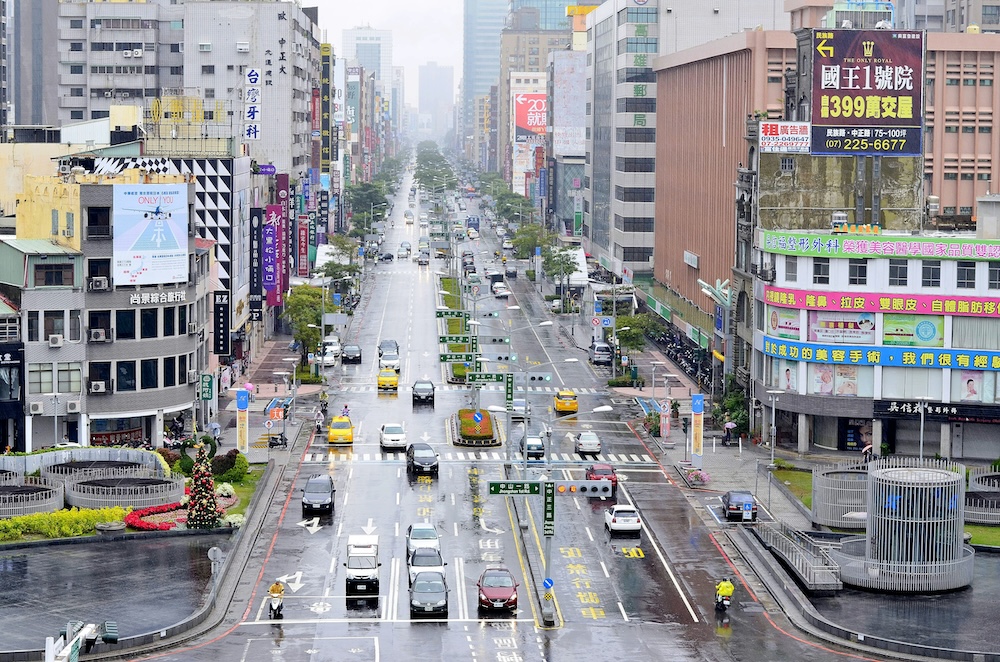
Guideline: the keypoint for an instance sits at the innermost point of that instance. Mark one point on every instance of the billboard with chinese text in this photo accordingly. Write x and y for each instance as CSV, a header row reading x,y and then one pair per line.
x,y
867,95
530,116
784,137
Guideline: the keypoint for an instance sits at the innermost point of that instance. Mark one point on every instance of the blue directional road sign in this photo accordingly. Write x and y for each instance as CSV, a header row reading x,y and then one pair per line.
x,y
598,308
336,299
548,583
477,417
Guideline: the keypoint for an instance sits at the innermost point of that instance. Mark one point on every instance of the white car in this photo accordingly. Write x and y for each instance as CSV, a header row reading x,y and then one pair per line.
x,y
501,292
389,360
332,350
425,559
392,436
501,232
622,518
507,245
587,443
473,234
422,534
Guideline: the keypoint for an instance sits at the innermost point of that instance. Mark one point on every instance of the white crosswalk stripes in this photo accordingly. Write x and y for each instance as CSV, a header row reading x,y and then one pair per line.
x,y
339,455
371,388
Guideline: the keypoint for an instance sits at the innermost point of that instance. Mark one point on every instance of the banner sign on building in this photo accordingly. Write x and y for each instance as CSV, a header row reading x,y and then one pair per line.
x,y
221,310
326,101
256,277
302,254
252,120
784,137
150,234
845,246
270,249
867,96
883,355
697,429
530,116
880,302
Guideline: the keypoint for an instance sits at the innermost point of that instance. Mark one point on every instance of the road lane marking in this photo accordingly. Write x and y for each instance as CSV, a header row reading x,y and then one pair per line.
x,y
589,534
463,605
604,568
621,608
333,565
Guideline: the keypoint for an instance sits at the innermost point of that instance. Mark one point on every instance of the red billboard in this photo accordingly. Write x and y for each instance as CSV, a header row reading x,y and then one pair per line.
x,y
867,95
530,116
302,259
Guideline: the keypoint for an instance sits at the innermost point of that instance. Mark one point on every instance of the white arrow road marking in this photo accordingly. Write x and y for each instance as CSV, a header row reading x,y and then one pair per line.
x,y
294,585
482,525
425,436
370,528
319,607
311,525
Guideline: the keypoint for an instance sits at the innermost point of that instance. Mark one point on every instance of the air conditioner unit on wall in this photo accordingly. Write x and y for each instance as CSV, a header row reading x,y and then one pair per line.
x,y
137,52
192,376
36,409
98,387
98,335
56,340
99,284
192,328
73,407
127,53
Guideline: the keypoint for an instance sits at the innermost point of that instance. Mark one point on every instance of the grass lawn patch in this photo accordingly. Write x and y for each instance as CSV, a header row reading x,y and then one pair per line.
x,y
799,482
984,535
246,489
470,429
454,326
458,371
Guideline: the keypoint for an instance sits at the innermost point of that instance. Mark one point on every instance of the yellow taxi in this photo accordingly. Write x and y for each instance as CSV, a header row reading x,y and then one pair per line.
x,y
341,431
564,402
388,380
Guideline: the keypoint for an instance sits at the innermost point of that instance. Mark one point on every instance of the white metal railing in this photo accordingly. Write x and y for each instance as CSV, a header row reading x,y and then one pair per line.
x,y
164,491
811,561
839,491
910,577
47,499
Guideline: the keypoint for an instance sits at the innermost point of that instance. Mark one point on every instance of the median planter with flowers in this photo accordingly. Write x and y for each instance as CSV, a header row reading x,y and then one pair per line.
x,y
697,477
472,432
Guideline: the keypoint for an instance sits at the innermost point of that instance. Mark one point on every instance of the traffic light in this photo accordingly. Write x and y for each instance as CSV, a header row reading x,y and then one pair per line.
x,y
587,488
491,340
495,313
539,377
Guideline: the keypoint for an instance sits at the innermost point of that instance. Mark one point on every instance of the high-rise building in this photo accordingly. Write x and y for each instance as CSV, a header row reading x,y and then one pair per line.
x,y
483,21
33,35
436,96
551,13
371,48
4,68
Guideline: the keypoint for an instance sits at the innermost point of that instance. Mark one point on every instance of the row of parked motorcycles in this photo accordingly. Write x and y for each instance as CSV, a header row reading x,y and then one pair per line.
x,y
683,354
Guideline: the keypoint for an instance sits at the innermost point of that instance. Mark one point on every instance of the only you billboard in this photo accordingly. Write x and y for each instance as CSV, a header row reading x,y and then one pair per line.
x,y
150,234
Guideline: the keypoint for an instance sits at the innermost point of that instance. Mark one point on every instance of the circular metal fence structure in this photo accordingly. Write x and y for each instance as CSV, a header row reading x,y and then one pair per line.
x,y
840,495
913,542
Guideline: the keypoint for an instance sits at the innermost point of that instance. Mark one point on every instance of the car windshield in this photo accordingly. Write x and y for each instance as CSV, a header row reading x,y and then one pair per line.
x,y
341,425
423,452
423,534
390,356
422,386
601,472
588,435
428,586
362,562
318,488
625,512
394,429
426,560
498,580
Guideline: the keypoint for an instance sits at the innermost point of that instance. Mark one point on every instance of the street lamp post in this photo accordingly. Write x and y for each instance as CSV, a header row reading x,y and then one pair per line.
x,y
922,399
722,295
295,385
655,364
773,397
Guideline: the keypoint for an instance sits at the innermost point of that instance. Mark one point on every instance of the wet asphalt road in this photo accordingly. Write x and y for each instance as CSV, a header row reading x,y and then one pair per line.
x,y
616,597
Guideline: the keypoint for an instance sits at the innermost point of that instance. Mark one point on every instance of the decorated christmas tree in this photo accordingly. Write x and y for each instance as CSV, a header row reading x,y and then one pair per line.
x,y
203,510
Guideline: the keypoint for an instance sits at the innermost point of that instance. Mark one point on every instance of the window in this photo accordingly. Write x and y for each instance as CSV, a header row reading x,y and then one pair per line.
x,y
176,48
76,68
951,128
126,376
182,364
10,383
32,326
99,319
636,254
637,45
150,374
208,69
994,276
625,164
791,268
76,91
633,135
969,82
821,271
168,321
209,92
70,377
53,275
966,275
40,378
182,319
787,164
639,105
991,15
76,47
125,325
98,222
99,371
930,273
147,322
951,82
633,224
54,323
76,114
857,271
169,371
177,71
897,272
636,75
986,82
634,194
99,267
77,23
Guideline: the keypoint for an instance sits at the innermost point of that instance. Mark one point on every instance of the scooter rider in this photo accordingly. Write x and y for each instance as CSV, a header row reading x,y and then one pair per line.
x,y
277,593
347,412
724,589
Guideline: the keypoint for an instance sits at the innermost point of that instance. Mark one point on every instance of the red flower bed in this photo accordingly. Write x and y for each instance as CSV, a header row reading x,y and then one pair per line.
x,y
135,518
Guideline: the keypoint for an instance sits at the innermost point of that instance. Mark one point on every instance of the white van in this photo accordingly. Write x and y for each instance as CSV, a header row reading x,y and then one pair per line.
x,y
600,353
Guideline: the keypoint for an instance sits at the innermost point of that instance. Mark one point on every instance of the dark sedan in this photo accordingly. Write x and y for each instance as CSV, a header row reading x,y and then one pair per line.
x,y
429,595
423,391
421,459
350,354
386,257
736,503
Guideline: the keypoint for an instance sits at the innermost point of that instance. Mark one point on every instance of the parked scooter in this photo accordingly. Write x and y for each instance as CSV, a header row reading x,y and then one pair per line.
x,y
280,441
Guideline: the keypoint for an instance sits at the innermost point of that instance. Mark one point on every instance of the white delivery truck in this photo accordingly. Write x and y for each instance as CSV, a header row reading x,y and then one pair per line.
x,y
362,565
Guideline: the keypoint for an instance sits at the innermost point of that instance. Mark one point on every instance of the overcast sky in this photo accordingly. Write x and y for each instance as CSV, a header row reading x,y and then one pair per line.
x,y
422,31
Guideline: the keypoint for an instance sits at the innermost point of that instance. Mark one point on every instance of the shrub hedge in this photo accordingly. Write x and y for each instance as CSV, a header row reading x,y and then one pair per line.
x,y
60,524
469,429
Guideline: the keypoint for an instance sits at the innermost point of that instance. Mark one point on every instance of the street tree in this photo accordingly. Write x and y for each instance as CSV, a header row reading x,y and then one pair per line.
x,y
631,331
559,263
529,237
302,308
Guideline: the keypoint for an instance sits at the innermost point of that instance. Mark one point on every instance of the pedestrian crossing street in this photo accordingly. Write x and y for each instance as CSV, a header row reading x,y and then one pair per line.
x,y
477,456
552,390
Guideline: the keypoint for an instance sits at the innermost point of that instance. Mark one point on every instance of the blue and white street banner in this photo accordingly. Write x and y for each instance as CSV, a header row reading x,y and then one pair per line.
x,y
697,428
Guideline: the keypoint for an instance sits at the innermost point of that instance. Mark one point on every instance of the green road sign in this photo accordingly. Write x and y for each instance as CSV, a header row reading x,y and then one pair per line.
x,y
454,339
515,488
205,387
452,358
483,377
509,389
549,511
452,313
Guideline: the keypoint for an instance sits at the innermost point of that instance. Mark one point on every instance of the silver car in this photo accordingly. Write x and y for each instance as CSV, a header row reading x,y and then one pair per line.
x,y
389,360
422,534
425,559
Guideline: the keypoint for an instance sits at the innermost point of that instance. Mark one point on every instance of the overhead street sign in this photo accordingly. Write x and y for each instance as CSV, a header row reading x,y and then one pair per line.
x,y
453,313
483,377
549,510
456,358
515,488
454,339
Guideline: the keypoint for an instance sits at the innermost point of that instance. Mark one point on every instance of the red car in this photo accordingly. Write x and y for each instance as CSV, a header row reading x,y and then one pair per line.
x,y
497,590
602,472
